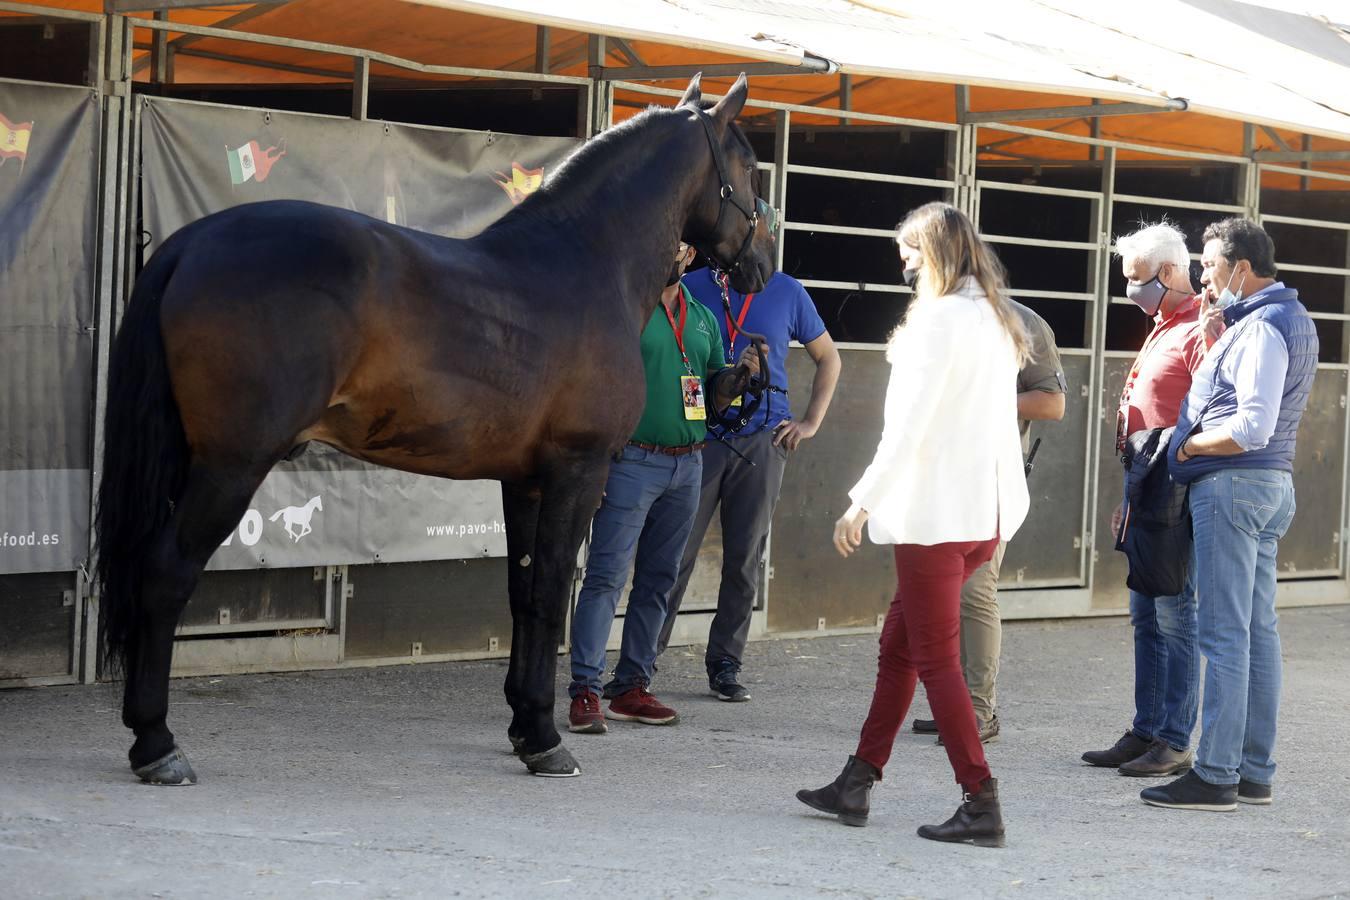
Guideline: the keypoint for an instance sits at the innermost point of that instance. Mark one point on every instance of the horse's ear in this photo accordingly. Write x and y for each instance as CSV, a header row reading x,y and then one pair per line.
x,y
729,107
694,93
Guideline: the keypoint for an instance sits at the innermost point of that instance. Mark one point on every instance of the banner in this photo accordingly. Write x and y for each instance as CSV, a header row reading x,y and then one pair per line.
x,y
48,215
324,508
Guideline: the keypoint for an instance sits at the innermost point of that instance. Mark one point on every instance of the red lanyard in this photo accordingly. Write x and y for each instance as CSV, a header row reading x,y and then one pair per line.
x,y
734,331
679,330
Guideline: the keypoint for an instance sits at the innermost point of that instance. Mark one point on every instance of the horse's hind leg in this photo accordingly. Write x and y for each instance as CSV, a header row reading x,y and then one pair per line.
x,y
212,502
569,495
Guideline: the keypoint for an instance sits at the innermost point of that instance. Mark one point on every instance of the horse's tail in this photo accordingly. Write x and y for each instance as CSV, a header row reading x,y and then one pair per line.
x,y
145,458
277,515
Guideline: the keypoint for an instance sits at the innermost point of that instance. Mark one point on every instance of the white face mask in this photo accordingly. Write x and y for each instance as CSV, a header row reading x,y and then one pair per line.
x,y
1226,297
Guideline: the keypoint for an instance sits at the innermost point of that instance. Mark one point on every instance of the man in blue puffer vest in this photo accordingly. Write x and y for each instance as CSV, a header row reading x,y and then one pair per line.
x,y
1234,446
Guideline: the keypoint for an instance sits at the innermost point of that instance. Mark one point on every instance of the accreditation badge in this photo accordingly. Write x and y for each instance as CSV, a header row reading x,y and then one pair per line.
x,y
691,392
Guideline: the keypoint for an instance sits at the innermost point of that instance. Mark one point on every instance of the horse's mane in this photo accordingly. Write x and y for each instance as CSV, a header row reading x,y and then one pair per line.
x,y
578,177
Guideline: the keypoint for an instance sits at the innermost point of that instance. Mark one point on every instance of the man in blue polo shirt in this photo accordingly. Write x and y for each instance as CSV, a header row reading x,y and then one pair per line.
x,y
743,471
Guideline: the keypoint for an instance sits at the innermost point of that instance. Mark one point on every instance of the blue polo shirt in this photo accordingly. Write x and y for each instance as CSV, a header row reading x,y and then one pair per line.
x,y
782,312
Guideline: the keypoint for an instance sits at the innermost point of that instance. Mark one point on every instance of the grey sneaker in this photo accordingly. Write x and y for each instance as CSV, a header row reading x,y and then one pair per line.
x,y
724,684
1254,793
1158,760
1190,791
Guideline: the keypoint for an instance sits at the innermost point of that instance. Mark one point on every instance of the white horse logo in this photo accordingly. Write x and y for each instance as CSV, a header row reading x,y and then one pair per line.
x,y
299,515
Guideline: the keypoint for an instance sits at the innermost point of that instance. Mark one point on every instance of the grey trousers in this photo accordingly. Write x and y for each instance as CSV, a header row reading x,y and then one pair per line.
x,y
982,634
747,495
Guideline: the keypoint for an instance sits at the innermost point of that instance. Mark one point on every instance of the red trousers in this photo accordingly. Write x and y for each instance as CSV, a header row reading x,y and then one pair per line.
x,y
922,640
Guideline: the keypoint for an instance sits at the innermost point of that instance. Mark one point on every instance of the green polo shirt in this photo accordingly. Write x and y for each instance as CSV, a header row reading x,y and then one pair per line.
x,y
663,422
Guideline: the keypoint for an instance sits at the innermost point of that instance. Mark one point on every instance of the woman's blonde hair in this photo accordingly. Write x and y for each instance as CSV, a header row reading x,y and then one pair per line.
x,y
953,250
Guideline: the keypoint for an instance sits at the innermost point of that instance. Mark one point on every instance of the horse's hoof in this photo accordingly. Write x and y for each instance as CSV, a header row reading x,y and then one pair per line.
x,y
555,763
172,769
517,744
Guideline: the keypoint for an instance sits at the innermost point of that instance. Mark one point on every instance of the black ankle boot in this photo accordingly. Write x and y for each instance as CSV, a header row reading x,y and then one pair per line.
x,y
978,820
847,797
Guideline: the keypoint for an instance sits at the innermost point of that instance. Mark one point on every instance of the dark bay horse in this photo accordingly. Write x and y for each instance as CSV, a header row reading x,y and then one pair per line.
x,y
513,355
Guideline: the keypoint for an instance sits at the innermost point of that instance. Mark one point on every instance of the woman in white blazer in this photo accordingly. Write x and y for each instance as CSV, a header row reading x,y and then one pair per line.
x,y
945,486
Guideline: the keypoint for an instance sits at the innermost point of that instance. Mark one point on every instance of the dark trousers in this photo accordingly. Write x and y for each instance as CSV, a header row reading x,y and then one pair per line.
x,y
922,640
747,495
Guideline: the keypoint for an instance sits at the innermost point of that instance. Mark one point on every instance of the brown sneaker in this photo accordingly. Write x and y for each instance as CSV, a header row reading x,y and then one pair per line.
x,y
585,716
637,705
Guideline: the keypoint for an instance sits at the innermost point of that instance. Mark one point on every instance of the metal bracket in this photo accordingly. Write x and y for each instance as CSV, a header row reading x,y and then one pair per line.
x,y
1072,112
810,65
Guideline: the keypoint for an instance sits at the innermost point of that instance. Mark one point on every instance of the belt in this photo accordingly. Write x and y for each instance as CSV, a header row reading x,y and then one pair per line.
x,y
682,450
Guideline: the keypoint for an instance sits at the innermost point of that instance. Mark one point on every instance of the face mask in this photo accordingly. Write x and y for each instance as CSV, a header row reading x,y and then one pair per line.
x,y
675,272
1227,298
909,276
677,269
1147,295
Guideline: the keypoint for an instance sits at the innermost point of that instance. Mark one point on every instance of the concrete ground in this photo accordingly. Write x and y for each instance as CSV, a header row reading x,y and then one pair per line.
x,y
397,782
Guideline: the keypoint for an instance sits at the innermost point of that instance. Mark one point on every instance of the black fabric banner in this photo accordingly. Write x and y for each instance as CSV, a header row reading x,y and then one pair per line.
x,y
48,220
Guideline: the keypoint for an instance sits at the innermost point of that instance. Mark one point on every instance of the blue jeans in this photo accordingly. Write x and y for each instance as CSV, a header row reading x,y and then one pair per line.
x,y
1239,516
644,521
1166,666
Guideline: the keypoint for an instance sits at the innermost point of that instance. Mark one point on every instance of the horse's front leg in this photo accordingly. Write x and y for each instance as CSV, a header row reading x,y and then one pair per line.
x,y
520,506
568,497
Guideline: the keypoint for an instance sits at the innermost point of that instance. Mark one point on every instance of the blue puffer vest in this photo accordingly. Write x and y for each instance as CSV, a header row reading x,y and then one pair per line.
x,y
1212,400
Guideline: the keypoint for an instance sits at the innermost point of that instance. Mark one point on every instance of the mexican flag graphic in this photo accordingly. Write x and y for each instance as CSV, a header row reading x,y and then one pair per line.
x,y
251,161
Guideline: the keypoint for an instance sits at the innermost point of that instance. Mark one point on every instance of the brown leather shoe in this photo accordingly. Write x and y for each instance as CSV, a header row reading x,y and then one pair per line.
x,y
1127,748
1158,760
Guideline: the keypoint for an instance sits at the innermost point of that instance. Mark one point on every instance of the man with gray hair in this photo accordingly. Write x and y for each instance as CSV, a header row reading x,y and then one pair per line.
x,y
1166,660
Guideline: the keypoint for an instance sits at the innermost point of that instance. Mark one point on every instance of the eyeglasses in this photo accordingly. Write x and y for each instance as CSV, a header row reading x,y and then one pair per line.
x,y
768,214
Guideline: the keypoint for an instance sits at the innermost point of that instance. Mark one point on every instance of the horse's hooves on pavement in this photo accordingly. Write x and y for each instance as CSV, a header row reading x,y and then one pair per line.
x,y
171,769
555,763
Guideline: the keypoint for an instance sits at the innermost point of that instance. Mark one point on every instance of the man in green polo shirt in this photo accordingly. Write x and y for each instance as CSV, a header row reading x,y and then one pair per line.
x,y
648,509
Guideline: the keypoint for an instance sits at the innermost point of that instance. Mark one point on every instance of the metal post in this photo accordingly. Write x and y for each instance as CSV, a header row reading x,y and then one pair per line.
x,y
159,52
542,35
1094,130
1305,145
845,95
114,188
782,134
360,87
1100,307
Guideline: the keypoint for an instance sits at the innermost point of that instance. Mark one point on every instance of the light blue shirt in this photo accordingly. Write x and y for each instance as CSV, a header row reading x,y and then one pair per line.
x,y
1254,360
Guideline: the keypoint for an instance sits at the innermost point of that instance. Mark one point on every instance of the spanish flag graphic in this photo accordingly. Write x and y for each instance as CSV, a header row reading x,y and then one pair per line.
x,y
14,138
522,182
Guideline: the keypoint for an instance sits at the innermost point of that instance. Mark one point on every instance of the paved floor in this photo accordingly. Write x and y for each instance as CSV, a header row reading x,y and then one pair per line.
x,y
396,783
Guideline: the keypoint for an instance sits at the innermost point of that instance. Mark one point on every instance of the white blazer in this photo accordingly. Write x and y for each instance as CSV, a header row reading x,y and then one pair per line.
x,y
949,465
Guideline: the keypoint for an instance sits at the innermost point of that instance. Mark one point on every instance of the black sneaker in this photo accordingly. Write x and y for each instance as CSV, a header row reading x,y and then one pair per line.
x,y
1254,793
1190,791
1129,747
925,726
722,681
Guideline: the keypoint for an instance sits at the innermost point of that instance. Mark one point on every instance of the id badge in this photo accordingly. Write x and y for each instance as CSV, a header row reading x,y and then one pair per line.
x,y
691,392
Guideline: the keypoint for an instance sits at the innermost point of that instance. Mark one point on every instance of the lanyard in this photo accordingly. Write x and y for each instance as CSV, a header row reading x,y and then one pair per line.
x,y
679,330
734,331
